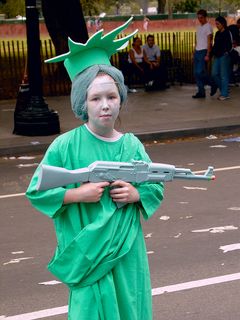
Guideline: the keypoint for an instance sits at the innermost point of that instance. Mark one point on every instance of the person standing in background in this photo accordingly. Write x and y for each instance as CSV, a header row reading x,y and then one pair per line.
x,y
145,23
221,67
202,52
235,31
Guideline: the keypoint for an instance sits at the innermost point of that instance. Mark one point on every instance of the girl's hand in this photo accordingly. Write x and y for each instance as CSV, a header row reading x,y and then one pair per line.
x,y
87,192
124,192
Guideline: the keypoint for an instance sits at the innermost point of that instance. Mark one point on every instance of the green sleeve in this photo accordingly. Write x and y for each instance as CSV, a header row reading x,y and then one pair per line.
x,y
49,202
151,194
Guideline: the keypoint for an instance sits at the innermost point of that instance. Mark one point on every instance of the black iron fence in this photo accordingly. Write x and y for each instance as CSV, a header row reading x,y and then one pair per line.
x,y
13,61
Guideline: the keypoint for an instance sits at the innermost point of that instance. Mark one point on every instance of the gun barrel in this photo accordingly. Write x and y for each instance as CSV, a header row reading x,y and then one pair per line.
x,y
181,173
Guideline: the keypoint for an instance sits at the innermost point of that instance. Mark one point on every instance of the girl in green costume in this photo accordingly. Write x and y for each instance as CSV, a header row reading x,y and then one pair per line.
x,y
101,254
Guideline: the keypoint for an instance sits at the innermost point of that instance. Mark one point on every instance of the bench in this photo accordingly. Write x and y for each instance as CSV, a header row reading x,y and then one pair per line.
x,y
173,66
130,77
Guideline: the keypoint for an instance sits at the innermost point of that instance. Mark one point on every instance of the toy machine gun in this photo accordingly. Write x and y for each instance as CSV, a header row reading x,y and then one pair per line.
x,y
134,171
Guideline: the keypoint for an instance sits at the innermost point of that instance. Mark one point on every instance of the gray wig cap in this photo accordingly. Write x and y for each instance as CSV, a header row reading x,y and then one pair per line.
x,y
83,80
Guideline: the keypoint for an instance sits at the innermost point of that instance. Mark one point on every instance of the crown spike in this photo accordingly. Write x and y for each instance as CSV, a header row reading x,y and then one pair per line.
x,y
112,34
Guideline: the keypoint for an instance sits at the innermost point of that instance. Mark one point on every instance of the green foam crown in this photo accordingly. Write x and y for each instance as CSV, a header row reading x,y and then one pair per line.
x,y
97,50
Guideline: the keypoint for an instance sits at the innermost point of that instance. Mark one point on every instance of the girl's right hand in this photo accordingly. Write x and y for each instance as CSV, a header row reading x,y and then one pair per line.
x,y
87,192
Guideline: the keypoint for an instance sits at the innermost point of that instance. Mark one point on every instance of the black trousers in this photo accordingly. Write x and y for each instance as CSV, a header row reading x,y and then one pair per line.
x,y
158,75
134,73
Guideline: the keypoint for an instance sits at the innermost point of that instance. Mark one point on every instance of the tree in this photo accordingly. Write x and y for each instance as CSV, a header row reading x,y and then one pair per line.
x,y
186,6
64,19
12,8
92,7
161,6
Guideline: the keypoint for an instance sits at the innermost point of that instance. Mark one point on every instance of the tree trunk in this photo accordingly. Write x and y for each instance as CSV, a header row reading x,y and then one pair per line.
x,y
64,19
161,6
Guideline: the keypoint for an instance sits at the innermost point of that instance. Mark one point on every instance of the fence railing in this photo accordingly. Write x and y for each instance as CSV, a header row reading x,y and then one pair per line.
x,y
13,61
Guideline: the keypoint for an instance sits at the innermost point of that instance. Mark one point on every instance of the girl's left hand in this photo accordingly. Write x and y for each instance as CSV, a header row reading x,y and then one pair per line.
x,y
124,192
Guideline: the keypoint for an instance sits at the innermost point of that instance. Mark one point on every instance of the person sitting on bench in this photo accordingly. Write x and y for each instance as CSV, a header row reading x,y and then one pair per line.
x,y
137,65
156,73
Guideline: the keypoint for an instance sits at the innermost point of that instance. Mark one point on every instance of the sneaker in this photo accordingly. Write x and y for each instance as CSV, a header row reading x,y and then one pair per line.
x,y
213,91
222,98
150,83
199,95
233,84
149,86
132,90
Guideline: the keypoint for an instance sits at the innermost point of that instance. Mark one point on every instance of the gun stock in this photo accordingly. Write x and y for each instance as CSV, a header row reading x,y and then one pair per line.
x,y
52,177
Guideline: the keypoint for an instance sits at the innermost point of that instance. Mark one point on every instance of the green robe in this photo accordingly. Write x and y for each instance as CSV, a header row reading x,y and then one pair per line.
x,y
101,254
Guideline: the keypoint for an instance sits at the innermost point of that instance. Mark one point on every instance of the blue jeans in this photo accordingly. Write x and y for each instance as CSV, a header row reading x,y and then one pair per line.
x,y
200,70
221,69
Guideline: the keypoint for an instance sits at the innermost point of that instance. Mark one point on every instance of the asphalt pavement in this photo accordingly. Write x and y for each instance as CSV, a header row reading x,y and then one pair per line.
x,y
158,115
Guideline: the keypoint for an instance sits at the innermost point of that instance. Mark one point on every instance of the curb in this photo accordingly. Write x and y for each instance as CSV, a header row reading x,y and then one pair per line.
x,y
27,149
187,132
144,137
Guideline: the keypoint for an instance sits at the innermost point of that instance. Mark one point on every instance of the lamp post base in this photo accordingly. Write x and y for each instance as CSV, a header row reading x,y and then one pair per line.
x,y
36,119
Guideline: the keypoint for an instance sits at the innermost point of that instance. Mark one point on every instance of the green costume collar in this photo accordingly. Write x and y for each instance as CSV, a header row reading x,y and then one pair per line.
x,y
97,50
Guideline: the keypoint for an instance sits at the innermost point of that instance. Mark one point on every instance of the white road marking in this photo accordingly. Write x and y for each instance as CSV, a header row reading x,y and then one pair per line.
x,y
150,252
12,195
50,283
39,314
17,252
156,291
220,169
196,284
230,247
17,260
165,218
234,208
227,168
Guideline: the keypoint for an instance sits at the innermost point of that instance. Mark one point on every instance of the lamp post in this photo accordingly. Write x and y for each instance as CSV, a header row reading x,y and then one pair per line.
x,y
35,118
